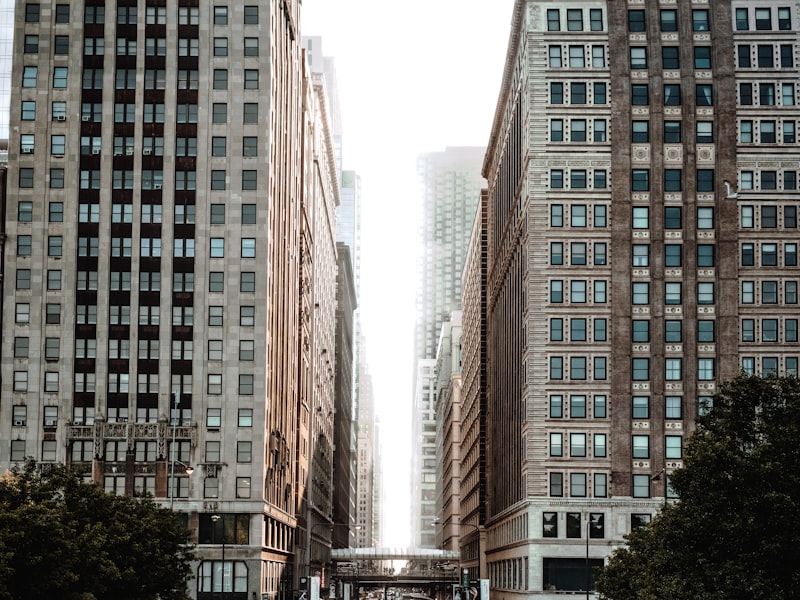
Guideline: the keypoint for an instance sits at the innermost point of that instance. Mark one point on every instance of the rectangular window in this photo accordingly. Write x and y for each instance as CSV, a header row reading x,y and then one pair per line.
x,y
705,331
577,485
673,407
550,525
556,406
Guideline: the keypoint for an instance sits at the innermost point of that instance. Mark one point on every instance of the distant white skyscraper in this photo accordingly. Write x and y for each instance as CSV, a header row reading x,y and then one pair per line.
x,y
450,184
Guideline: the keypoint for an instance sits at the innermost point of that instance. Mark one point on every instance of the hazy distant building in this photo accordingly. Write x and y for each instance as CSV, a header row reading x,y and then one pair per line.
x,y
642,246
170,271
423,459
450,185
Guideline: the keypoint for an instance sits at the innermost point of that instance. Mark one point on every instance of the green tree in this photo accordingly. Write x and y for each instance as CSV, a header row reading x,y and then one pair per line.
x,y
734,532
62,538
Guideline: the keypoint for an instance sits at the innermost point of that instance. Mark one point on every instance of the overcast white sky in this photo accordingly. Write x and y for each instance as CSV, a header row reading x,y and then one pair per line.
x,y
413,77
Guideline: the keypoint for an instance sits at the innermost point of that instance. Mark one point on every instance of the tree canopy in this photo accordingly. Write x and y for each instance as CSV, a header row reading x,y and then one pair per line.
x,y
62,538
734,532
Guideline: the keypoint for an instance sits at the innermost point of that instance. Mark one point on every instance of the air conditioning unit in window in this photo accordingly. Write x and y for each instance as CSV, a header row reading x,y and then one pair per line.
x,y
157,186
129,151
19,423
147,151
117,153
50,422
95,150
27,150
58,156
61,117
86,118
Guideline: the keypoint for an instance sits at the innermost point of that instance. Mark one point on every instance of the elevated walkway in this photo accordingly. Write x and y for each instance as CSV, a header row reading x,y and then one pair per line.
x,y
415,554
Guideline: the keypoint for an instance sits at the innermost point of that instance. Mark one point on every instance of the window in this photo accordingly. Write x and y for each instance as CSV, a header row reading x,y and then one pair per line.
x,y
702,57
669,20
704,132
556,368
599,93
704,94
636,21
640,446
577,179
244,452
247,281
769,255
672,179
556,330
672,94
556,291
763,19
217,179
672,369
220,46
577,368
556,444
577,485
577,57
673,406
640,131
577,406
638,57
766,94
640,94
245,417
784,19
673,293
705,369
249,180
640,292
641,486
220,79
556,93
251,15
574,19
745,94
556,130
577,253
673,255
640,180
705,255
640,370
246,385
250,113
599,444
765,55
705,331
670,56
640,255
550,525
251,79
700,20
220,15
674,447
705,180
743,56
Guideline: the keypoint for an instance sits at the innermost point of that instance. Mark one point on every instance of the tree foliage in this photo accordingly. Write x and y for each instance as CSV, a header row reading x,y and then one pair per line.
x,y
734,532
62,538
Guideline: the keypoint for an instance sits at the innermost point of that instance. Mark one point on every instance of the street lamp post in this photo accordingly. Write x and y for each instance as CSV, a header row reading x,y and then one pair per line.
x,y
172,460
215,519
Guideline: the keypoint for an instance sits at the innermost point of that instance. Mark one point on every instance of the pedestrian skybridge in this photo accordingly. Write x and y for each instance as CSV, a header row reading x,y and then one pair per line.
x,y
410,554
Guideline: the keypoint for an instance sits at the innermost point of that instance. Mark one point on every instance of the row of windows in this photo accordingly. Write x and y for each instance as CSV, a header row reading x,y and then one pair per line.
x,y
766,179
120,280
767,131
673,217
577,368
579,215
766,93
769,365
579,179
118,383
672,131
640,407
577,130
668,20
578,447
673,331
576,57
151,179
95,46
154,79
769,330
580,291
670,58
122,247
765,56
151,113
184,146
579,253
577,406
123,213
148,349
769,292
769,255
127,15
578,92
673,293
579,484
574,19
578,330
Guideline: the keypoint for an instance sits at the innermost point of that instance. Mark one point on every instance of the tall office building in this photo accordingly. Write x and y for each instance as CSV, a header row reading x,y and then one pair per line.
x,y
449,184
642,246
169,288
